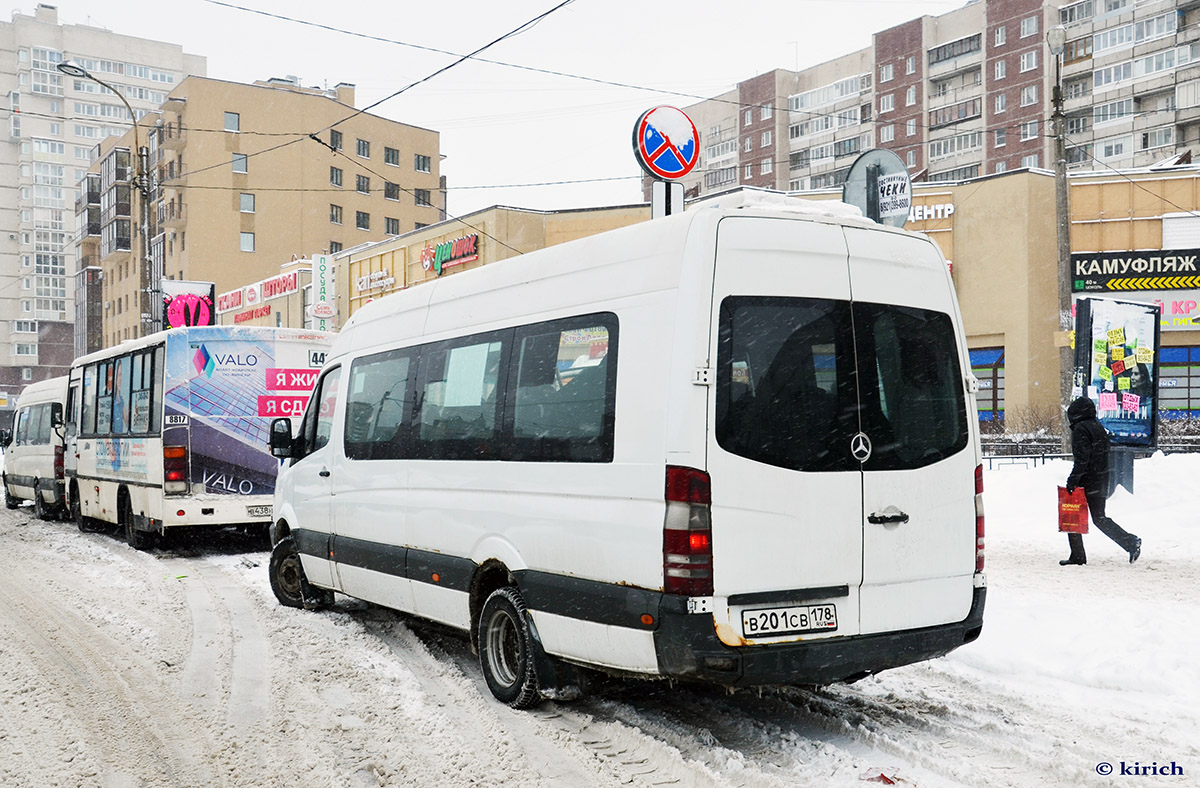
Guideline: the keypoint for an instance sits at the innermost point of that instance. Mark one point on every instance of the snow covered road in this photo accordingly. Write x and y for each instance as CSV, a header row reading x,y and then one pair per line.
x,y
178,668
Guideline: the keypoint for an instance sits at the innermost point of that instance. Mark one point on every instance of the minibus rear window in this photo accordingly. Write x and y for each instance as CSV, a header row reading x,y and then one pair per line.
x,y
798,377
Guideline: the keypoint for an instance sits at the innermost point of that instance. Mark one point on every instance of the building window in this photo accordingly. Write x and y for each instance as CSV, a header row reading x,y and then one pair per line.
x,y
1001,35
910,96
887,103
335,247
1029,95
910,65
362,184
765,166
766,139
1029,27
1001,166
749,117
335,213
1029,161
1001,137
335,176
391,226
1001,102
26,373
421,163
233,121
1001,69
910,160
910,127
247,203
1029,61
25,349
362,220
748,172
335,139
247,242
239,162
886,73
391,156
764,112
887,133
391,191
748,145
421,197
1029,130
363,148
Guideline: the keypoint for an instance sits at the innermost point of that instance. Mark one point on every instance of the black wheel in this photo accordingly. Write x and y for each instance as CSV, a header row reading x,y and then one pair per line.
x,y
138,540
40,509
506,649
288,582
9,501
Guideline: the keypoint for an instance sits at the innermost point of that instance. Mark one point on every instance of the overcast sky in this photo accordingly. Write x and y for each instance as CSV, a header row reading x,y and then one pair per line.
x,y
502,125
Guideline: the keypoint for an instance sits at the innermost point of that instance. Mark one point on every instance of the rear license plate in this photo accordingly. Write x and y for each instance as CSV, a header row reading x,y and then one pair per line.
x,y
774,621
258,511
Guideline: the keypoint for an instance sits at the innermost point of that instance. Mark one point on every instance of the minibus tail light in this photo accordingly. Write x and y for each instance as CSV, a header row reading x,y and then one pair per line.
x,y
979,518
58,463
175,469
687,533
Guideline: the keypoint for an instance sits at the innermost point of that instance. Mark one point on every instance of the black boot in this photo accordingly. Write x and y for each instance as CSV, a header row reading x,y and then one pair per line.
x,y
1074,561
1136,552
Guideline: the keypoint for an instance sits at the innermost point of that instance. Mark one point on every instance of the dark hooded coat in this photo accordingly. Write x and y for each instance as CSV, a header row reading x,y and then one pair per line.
x,y
1089,445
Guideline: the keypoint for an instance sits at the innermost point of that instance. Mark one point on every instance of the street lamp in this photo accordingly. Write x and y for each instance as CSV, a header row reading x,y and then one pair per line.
x,y
141,183
1056,39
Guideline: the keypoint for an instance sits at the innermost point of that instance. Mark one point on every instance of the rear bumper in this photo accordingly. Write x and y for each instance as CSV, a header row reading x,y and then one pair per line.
x,y
687,648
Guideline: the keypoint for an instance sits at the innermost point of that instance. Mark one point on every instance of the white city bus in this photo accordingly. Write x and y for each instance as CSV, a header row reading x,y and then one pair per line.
x,y
737,445
170,430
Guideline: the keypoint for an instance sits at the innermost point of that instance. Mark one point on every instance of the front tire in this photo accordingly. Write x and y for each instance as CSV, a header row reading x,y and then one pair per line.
x,y
291,587
40,509
9,501
506,649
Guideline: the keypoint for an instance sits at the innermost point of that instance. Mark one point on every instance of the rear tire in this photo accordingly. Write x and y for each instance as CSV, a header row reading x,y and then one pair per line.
x,y
138,540
291,587
9,501
40,509
506,649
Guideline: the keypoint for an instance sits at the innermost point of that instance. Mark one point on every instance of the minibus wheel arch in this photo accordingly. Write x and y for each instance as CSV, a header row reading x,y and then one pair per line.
x,y
492,574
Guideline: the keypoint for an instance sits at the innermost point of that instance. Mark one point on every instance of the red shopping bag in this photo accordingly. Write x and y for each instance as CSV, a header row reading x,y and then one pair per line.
x,y
1072,511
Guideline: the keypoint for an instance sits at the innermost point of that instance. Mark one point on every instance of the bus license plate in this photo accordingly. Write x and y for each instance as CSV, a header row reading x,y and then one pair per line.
x,y
794,620
258,511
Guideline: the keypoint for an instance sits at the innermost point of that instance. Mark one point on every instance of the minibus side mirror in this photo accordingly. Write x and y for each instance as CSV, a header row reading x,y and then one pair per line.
x,y
281,437
5,438
56,415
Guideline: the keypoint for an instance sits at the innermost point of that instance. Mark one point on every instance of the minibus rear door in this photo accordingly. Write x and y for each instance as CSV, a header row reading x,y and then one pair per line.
x,y
918,468
786,492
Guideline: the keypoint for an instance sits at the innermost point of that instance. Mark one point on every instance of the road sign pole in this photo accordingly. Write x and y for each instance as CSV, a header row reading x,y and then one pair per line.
x,y
666,199
873,192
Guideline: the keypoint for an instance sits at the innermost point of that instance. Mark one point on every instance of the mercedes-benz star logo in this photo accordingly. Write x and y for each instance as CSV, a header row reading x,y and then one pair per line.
x,y
860,447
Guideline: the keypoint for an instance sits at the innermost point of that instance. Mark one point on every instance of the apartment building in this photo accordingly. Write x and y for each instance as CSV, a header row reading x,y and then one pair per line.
x,y
244,178
55,122
969,93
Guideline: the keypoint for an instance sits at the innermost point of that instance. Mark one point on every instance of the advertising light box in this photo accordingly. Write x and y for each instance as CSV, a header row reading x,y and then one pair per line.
x,y
1116,366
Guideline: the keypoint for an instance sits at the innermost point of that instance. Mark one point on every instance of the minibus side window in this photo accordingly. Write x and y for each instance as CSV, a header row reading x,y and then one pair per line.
x,y
564,390
104,398
317,425
156,388
33,437
460,399
379,406
140,400
22,434
88,422
120,395
43,431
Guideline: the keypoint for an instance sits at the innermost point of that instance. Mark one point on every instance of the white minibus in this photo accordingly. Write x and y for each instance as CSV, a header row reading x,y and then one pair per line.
x,y
169,431
736,445
33,451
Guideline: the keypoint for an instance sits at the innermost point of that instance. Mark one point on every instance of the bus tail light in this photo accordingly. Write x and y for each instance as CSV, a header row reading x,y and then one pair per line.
x,y
175,469
687,533
979,518
58,463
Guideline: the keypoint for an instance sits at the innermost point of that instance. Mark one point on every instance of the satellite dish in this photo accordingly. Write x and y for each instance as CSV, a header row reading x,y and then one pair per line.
x,y
878,184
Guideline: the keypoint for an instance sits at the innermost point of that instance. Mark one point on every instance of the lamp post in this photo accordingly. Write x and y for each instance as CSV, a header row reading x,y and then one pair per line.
x,y
141,184
1056,39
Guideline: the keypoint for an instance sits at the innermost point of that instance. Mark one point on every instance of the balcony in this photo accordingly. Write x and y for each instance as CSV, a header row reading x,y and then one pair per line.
x,y
171,137
172,214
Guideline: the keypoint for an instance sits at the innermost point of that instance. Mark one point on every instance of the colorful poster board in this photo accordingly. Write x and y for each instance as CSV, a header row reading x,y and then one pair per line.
x,y
1116,366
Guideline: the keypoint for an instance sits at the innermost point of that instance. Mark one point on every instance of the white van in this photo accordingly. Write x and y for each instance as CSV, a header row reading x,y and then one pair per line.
x,y
33,451
766,471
